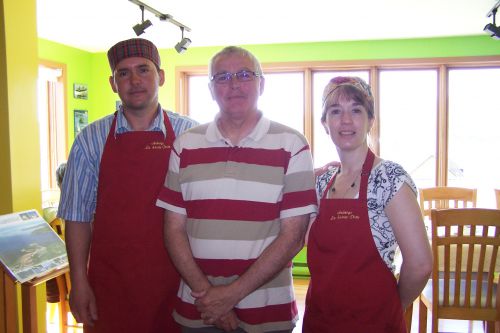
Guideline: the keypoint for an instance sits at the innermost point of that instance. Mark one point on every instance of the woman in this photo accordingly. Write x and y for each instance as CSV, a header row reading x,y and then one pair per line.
x,y
368,207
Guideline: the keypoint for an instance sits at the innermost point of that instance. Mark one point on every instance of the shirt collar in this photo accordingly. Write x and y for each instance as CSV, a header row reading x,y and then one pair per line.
x,y
122,125
261,128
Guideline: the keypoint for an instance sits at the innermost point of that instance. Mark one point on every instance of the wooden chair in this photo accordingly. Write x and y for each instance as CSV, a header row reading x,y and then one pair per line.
x,y
465,245
63,284
497,194
446,197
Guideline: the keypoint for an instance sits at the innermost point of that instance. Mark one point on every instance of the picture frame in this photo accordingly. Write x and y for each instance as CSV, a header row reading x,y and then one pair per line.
x,y
81,118
80,91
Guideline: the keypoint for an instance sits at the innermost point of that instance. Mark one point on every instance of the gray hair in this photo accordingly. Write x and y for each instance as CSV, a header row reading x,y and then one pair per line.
x,y
60,171
230,50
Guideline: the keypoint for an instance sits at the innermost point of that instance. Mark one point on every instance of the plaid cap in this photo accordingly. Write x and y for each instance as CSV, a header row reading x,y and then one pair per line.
x,y
353,81
135,47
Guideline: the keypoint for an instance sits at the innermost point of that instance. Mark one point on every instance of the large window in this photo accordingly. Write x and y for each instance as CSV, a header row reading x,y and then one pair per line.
x,y
408,115
438,118
474,131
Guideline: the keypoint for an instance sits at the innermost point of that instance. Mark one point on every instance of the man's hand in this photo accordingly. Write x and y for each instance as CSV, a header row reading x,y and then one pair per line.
x,y
228,322
81,298
82,303
215,302
319,171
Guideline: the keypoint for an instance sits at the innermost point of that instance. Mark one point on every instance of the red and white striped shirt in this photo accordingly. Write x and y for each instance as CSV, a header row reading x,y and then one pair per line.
x,y
234,198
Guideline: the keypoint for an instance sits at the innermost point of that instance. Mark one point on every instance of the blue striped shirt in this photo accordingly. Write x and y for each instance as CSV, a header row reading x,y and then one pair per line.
x,y
79,188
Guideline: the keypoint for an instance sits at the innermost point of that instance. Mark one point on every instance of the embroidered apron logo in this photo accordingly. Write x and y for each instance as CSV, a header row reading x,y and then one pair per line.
x,y
344,215
156,145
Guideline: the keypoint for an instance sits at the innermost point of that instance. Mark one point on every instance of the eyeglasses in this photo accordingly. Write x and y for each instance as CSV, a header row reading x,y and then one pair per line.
x,y
241,76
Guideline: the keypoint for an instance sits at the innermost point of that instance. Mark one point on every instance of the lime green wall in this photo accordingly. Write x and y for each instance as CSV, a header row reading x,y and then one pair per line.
x,y
102,100
20,162
5,173
19,141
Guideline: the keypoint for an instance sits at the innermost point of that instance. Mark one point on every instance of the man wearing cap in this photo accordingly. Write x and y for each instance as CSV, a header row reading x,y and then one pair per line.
x,y
115,170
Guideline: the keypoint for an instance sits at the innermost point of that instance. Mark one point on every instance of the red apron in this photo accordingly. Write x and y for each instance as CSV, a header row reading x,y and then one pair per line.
x,y
133,279
351,289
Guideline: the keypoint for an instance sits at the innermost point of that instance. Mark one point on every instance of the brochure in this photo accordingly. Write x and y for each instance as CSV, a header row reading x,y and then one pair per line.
x,y
29,247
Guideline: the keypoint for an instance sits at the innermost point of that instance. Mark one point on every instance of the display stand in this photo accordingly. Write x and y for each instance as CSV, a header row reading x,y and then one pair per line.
x,y
9,322
30,254
8,297
29,306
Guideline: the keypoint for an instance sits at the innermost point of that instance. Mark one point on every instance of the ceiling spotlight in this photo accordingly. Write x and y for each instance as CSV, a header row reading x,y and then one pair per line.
x,y
182,46
491,28
140,27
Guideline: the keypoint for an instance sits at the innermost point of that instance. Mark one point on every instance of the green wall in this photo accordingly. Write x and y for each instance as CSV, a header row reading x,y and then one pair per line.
x,y
93,69
20,156
19,139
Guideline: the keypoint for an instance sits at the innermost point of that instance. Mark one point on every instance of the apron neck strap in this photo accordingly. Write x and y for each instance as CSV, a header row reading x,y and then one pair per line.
x,y
365,174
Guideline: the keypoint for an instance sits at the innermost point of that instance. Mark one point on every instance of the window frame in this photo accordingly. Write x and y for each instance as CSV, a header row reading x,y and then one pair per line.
x,y
53,159
440,64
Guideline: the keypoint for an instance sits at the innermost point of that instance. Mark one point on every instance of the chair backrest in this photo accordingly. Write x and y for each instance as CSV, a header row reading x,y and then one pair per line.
x,y
58,225
446,197
465,243
497,195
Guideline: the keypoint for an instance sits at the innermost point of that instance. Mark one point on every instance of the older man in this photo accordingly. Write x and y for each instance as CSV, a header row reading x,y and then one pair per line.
x,y
238,196
115,170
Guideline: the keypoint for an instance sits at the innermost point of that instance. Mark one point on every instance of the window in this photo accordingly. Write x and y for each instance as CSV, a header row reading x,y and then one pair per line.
x,y
433,116
281,101
201,106
408,115
474,135
52,124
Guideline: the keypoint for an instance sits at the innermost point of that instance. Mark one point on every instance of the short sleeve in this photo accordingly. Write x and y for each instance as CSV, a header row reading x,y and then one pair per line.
x,y
388,179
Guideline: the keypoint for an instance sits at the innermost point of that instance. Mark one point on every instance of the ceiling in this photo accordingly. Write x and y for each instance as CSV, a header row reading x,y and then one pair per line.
x,y
95,25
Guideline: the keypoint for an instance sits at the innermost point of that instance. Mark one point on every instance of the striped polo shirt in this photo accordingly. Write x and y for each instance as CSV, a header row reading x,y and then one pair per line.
x,y
79,188
234,198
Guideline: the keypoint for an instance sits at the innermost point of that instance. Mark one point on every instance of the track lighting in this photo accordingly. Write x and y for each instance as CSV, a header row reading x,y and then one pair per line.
x,y
140,27
182,46
491,28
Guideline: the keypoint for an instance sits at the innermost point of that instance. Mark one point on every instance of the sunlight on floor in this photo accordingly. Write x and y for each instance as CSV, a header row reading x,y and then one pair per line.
x,y
53,325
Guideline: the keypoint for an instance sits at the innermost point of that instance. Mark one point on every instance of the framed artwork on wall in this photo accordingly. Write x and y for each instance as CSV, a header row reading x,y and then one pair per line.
x,y
81,120
80,91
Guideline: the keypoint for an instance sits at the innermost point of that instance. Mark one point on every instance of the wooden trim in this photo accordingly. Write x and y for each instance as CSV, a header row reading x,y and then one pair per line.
x,y
417,63
64,80
479,61
442,128
374,135
308,109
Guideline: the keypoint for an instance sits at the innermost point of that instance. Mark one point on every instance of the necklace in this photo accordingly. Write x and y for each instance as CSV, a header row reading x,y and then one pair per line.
x,y
353,184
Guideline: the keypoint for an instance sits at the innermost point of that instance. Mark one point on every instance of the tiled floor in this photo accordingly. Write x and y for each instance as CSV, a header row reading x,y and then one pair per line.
x,y
445,326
